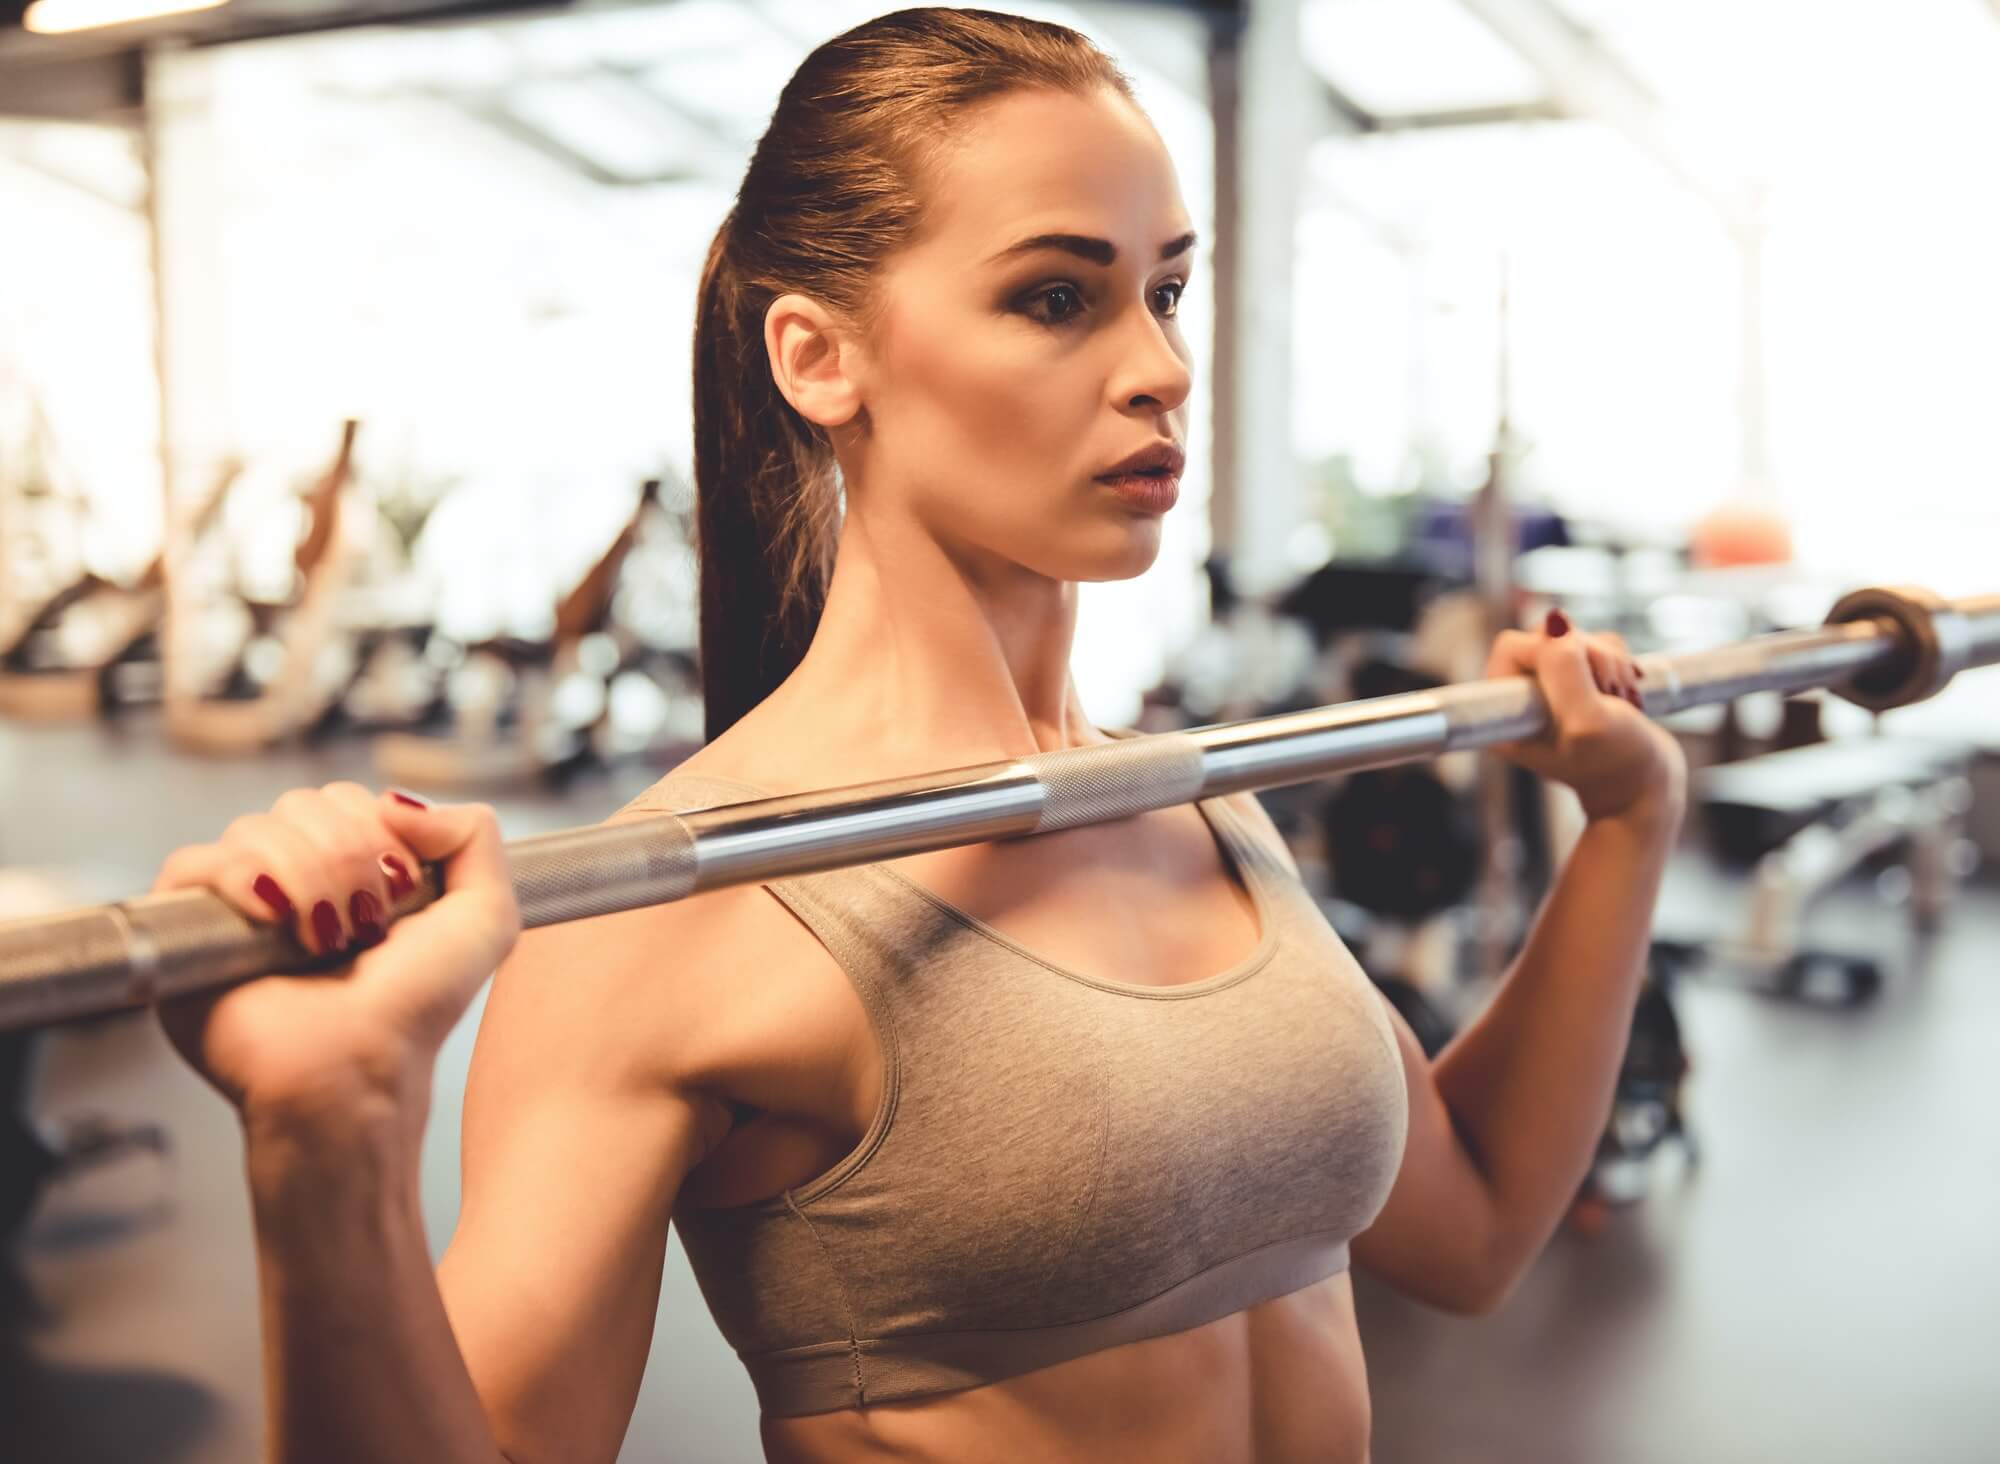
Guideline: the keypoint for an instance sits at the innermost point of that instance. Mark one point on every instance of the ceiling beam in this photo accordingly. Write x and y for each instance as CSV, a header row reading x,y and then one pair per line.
x,y
491,111
1352,116
1586,80
1542,111
632,80
1359,120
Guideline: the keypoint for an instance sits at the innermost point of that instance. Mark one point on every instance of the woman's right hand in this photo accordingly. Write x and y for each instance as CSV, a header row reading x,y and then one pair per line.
x,y
328,863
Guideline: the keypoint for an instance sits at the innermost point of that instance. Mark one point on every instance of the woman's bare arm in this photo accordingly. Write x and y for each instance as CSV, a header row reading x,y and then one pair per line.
x,y
581,1123
1529,1082
359,1360
529,1342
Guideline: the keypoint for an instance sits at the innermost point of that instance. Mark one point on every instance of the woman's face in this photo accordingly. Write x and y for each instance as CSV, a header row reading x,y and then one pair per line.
x,y
1028,342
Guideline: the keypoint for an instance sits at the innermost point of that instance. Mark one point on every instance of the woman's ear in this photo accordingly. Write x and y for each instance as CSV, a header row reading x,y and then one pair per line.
x,y
813,360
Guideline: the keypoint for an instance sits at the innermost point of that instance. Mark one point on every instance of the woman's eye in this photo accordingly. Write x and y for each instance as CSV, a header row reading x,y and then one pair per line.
x,y
1169,297
1064,302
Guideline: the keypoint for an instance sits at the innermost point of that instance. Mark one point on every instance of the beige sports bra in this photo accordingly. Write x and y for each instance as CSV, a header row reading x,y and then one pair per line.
x,y
1059,1163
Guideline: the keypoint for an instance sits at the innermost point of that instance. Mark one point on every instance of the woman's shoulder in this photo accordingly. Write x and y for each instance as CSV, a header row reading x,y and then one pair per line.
x,y
756,760
670,990
755,755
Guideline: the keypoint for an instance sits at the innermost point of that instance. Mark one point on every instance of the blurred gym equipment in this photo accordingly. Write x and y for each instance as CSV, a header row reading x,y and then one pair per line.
x,y
1405,847
1800,821
93,648
34,1155
247,712
1645,1106
524,712
58,666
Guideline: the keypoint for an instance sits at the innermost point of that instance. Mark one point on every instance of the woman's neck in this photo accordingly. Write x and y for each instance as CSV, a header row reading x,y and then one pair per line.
x,y
922,655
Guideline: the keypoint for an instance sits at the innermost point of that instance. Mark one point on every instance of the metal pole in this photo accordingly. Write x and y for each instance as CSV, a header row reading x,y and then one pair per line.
x,y
1494,549
71,964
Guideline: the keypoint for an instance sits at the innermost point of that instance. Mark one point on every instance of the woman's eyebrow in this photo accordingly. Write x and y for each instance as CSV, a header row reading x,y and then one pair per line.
x,y
1097,251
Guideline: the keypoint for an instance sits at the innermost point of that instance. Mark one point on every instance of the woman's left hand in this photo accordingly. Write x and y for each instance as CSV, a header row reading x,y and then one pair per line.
x,y
1617,758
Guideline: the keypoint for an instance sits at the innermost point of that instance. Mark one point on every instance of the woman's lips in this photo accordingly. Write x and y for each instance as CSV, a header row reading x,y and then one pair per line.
x,y
1147,492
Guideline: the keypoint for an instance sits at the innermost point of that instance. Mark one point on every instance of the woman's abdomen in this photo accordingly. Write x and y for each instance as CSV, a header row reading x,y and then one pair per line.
x,y
1283,1382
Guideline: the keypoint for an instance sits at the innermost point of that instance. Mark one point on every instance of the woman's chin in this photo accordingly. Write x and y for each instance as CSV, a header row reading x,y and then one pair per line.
x,y
1135,549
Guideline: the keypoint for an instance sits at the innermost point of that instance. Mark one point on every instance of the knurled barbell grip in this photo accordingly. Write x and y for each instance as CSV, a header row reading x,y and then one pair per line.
x,y
139,951
143,950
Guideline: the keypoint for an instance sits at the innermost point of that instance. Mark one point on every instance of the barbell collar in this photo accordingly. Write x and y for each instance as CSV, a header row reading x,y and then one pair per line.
x,y
1934,641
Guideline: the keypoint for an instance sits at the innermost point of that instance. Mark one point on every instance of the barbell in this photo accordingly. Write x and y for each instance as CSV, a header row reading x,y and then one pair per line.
x,y
1880,648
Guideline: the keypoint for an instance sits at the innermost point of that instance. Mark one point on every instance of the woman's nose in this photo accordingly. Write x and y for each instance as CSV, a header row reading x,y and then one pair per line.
x,y
1157,379
1155,376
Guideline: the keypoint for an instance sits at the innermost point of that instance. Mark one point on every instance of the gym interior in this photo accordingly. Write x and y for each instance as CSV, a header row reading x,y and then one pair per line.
x,y
345,433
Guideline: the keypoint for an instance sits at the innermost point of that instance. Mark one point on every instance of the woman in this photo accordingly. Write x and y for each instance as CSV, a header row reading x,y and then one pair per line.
x,y
1052,1149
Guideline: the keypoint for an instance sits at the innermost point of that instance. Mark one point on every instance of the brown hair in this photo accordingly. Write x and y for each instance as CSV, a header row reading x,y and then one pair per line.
x,y
830,192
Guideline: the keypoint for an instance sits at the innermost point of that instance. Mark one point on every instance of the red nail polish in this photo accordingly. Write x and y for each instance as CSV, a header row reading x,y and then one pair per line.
x,y
267,890
326,925
1557,624
407,800
364,911
400,883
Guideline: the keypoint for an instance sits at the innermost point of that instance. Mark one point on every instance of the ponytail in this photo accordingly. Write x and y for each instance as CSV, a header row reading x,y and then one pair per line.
x,y
831,191
765,504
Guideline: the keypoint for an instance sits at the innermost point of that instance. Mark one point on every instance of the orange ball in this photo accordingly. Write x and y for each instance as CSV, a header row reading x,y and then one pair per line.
x,y
1736,534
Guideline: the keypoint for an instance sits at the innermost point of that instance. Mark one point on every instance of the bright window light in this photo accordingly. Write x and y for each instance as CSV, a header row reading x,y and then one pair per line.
x,y
1399,58
640,34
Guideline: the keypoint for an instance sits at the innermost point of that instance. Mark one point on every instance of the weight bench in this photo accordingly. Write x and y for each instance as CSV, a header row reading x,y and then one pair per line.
x,y
1803,820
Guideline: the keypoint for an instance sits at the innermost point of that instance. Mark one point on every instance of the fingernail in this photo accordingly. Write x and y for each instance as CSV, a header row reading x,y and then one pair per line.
x,y
400,883
268,891
407,800
326,925
1557,623
365,913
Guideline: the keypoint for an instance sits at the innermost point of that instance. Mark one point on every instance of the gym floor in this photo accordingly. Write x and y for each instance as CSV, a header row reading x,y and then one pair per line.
x,y
1821,1287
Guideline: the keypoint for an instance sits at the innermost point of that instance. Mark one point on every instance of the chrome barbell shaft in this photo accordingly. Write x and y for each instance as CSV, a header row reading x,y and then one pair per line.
x,y
57,967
